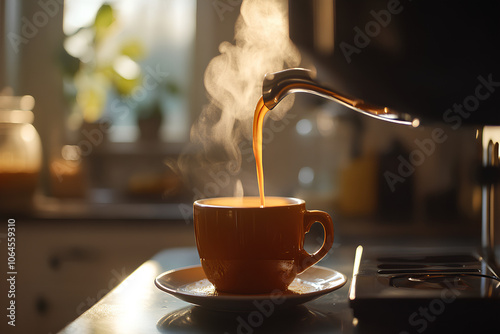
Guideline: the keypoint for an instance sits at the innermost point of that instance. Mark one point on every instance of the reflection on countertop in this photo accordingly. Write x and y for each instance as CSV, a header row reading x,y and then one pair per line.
x,y
300,319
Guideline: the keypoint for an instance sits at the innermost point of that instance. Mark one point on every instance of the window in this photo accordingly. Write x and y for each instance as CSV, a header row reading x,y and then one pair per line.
x,y
130,62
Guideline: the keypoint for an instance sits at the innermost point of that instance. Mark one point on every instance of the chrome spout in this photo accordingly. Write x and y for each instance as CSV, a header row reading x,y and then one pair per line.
x,y
277,85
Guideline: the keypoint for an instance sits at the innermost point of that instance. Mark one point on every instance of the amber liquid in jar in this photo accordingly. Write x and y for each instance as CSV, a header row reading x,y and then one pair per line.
x,y
20,161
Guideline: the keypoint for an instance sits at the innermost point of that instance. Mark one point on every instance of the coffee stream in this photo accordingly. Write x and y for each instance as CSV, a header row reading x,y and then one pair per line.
x,y
258,120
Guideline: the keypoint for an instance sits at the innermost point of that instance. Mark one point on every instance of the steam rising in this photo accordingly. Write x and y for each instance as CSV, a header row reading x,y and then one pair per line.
x,y
238,189
233,81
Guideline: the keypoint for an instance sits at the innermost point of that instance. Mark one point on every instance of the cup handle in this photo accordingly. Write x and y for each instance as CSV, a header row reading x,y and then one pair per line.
x,y
310,217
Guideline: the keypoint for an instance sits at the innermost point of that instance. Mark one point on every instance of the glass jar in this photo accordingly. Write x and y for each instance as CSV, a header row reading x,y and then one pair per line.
x,y
20,156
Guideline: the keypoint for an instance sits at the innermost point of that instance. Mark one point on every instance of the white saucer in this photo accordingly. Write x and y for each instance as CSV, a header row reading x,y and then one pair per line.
x,y
191,285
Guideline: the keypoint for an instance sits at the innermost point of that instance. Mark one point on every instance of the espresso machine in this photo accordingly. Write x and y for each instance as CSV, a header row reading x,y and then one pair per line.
x,y
415,63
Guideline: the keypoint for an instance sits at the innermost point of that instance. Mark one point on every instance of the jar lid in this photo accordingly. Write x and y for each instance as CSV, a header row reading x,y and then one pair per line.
x,y
16,116
25,102
16,109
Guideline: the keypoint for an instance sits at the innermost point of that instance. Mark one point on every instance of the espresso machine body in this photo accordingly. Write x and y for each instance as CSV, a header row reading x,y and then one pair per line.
x,y
435,60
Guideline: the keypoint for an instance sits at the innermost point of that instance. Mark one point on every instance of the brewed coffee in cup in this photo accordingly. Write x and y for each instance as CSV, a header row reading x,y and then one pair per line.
x,y
245,248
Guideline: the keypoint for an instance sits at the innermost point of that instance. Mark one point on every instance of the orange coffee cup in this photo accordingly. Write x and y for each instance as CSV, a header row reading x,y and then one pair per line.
x,y
248,249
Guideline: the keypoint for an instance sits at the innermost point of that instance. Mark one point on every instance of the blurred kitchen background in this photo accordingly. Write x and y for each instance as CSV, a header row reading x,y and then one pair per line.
x,y
117,86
